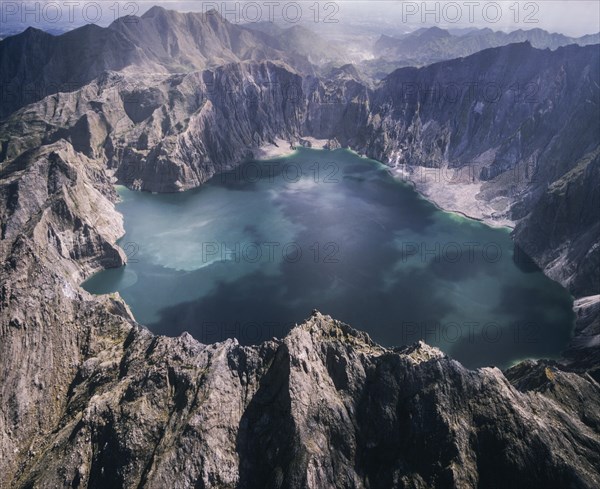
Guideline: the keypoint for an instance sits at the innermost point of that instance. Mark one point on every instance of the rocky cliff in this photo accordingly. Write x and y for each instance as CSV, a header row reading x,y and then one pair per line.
x,y
91,399
507,144
514,127
35,64
324,407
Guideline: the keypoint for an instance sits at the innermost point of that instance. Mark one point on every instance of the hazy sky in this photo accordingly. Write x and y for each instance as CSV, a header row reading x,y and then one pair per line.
x,y
571,17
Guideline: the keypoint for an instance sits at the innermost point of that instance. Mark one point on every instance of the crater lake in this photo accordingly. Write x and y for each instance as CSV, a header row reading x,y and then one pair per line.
x,y
256,249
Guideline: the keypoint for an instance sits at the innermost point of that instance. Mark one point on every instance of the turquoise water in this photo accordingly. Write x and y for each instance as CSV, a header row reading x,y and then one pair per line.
x,y
253,251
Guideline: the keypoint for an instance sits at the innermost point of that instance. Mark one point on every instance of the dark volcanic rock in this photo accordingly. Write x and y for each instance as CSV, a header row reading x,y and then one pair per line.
x,y
91,399
35,64
526,123
528,149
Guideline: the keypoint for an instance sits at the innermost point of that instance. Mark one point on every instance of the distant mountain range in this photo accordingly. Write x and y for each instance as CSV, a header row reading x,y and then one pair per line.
x,y
303,41
434,44
34,64
90,398
430,45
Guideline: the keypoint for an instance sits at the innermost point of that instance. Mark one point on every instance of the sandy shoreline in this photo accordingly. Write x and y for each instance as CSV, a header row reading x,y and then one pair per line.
x,y
282,148
448,195
454,196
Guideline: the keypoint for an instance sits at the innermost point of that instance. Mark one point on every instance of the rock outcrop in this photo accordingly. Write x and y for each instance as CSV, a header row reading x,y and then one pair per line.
x,y
515,127
35,64
494,132
92,399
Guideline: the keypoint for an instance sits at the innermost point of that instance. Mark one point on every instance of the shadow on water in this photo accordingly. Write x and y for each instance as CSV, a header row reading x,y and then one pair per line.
x,y
523,261
257,307
537,326
372,253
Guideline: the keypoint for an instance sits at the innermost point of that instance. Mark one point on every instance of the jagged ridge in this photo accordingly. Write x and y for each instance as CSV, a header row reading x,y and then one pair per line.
x,y
92,399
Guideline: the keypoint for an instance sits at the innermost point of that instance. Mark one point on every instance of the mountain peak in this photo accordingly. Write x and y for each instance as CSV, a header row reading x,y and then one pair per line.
x,y
431,33
216,15
154,11
29,34
33,32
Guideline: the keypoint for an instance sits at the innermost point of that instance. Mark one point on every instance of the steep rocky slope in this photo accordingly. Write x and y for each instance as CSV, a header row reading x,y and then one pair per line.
x,y
58,225
521,125
512,129
35,64
324,407
173,132
91,399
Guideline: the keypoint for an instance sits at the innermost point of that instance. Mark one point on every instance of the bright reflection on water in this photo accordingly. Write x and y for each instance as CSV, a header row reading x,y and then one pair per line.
x,y
255,250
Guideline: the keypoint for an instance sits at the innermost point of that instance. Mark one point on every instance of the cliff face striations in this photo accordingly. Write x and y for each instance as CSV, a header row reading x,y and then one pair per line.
x,y
505,144
92,399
